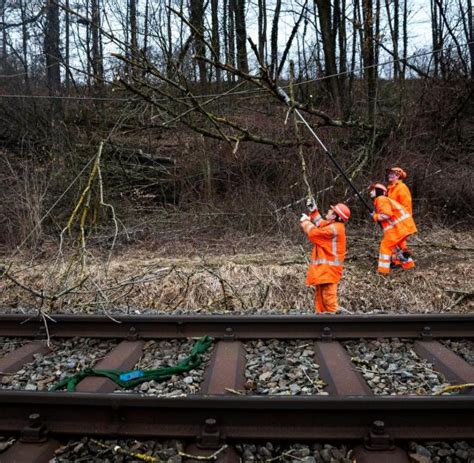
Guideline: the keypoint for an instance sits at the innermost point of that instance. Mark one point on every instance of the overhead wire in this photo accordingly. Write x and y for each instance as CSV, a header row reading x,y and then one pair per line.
x,y
240,92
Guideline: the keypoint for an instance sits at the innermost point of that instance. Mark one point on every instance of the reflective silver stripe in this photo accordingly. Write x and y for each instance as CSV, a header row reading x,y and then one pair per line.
x,y
334,263
398,207
384,264
316,219
392,223
334,245
385,256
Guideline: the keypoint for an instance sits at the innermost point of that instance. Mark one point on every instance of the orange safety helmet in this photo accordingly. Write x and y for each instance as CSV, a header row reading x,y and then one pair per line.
x,y
342,211
380,186
399,171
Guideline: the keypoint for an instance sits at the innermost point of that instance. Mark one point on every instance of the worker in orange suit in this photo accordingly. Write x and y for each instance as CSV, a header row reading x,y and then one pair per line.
x,y
397,225
399,191
329,249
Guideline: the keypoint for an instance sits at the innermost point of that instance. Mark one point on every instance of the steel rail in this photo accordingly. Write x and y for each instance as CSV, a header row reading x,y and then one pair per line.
x,y
242,327
248,417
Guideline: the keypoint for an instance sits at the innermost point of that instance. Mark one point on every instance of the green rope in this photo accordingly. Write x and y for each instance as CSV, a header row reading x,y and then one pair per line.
x,y
129,379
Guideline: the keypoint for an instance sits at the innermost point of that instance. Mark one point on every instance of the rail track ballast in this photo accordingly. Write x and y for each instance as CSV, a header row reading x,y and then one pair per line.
x,y
223,410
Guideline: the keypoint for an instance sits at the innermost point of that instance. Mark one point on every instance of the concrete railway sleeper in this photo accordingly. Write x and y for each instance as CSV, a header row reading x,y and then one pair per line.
x,y
225,406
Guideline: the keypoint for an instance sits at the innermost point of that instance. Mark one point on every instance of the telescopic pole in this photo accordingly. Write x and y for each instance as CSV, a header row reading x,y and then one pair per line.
x,y
282,93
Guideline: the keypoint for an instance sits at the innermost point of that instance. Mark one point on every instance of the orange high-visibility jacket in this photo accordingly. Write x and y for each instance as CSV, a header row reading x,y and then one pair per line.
x,y
400,193
329,251
399,225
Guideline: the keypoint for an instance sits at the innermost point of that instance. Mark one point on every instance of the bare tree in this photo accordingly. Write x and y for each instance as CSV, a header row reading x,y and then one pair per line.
x,y
196,20
262,30
274,38
67,33
96,58
24,43
328,37
4,35
470,35
51,47
215,40
437,38
394,26
340,21
241,34
132,5
229,36
370,71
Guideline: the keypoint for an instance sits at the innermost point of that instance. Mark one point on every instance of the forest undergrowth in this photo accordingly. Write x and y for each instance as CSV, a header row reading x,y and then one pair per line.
x,y
243,274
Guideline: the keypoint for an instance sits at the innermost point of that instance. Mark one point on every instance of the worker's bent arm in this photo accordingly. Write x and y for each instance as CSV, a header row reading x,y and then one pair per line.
x,y
320,235
380,217
383,209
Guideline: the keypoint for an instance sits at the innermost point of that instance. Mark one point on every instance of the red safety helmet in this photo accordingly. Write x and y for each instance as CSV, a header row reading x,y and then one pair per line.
x,y
399,171
380,186
342,211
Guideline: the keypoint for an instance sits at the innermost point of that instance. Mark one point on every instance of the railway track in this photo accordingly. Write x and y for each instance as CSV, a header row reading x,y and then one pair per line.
x,y
223,410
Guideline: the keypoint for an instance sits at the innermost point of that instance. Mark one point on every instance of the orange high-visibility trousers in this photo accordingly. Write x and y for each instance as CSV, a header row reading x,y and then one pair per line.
x,y
386,251
325,298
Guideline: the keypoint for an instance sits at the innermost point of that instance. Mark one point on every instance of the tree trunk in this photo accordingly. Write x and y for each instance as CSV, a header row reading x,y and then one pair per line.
x,y
215,41
355,31
262,30
394,33
96,54
241,35
230,39
274,40
88,43
377,35
370,71
324,10
169,45
197,23
133,33
470,18
67,24
405,37
146,21
4,37
51,48
342,36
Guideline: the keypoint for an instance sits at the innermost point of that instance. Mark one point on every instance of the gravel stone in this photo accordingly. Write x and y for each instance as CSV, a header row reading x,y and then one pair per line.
x,y
157,354
86,450
282,368
391,367
294,453
68,357
442,452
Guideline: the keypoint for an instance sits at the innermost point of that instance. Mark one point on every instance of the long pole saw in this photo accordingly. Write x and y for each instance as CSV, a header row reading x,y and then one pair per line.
x,y
282,93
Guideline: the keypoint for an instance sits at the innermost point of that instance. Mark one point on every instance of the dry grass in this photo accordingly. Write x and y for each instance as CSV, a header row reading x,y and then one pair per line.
x,y
263,277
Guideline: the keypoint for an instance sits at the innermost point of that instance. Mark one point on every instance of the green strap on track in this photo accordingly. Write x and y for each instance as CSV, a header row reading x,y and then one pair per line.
x,y
129,379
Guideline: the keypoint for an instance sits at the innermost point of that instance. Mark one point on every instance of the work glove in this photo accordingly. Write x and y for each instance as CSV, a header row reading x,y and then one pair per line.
x,y
311,205
304,217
